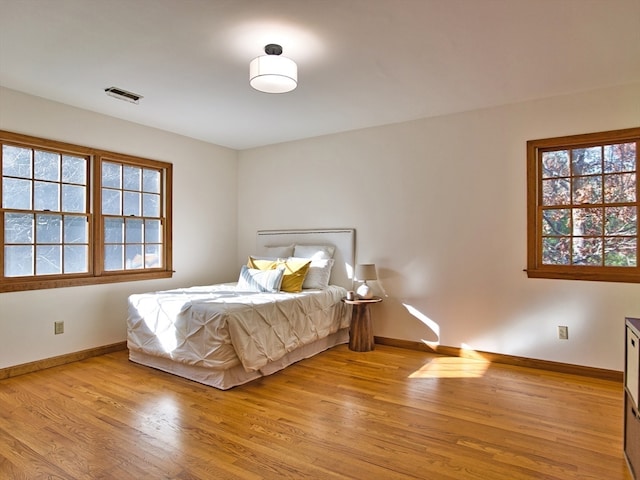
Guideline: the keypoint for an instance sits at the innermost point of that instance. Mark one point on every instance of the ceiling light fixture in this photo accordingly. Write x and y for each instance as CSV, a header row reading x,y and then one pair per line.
x,y
272,73
120,94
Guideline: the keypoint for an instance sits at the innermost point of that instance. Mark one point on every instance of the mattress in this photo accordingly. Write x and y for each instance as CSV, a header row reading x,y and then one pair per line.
x,y
217,328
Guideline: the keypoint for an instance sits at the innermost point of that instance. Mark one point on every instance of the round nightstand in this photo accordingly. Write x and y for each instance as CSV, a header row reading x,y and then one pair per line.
x,y
361,330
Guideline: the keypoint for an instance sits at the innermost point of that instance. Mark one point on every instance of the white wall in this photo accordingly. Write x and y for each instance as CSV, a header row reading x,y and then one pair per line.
x,y
440,206
204,230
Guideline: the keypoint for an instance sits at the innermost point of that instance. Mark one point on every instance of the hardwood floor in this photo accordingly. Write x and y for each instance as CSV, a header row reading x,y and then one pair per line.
x,y
387,414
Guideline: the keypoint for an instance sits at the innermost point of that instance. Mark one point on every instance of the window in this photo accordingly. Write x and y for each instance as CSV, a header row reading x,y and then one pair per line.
x,y
132,217
583,207
72,215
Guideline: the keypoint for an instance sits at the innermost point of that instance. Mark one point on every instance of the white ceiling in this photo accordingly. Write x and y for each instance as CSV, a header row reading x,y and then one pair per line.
x,y
360,62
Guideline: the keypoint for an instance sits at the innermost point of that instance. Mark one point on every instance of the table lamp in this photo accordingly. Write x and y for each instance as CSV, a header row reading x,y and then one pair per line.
x,y
364,272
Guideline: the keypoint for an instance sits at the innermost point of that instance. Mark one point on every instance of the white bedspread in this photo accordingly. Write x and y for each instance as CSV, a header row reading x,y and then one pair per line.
x,y
217,327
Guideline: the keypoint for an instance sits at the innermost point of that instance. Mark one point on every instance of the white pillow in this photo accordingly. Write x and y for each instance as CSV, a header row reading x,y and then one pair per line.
x,y
253,280
282,251
318,274
314,252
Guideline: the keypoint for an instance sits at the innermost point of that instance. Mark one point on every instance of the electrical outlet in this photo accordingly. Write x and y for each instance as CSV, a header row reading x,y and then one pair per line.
x,y
563,332
58,328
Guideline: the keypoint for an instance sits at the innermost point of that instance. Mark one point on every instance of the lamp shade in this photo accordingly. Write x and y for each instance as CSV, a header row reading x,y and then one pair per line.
x,y
366,271
273,73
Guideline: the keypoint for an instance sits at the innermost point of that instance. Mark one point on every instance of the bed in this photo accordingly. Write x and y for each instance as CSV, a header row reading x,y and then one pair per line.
x,y
286,306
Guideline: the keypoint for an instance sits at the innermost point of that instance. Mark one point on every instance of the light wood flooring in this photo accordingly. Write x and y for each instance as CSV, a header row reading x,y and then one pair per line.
x,y
387,414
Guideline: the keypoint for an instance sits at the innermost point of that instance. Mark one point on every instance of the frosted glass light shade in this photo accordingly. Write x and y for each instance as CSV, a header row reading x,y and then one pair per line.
x,y
273,74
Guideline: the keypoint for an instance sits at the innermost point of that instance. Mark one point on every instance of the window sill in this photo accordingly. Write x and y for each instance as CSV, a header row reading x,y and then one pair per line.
x,y
580,274
42,283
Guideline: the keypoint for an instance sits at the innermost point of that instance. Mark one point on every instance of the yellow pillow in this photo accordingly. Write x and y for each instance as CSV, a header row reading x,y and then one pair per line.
x,y
294,271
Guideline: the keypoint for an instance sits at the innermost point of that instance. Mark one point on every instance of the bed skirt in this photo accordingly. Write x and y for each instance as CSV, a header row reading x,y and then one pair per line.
x,y
237,375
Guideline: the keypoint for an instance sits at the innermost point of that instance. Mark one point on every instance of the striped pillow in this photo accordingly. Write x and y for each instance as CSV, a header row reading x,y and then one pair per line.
x,y
253,280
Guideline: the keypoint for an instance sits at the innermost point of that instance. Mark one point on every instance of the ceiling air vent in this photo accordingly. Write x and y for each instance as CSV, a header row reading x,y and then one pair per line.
x,y
116,92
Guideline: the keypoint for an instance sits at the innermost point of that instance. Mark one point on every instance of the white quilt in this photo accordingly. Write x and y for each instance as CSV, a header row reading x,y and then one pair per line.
x,y
217,327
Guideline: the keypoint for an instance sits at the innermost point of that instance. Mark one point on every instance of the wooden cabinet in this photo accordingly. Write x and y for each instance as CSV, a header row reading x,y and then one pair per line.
x,y
631,396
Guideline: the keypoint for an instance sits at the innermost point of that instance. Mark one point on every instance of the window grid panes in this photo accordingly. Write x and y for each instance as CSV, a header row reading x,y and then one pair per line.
x,y
40,191
588,212
585,217
131,196
71,215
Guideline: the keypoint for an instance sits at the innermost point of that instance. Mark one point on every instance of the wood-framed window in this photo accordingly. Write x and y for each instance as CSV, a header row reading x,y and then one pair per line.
x,y
582,207
73,215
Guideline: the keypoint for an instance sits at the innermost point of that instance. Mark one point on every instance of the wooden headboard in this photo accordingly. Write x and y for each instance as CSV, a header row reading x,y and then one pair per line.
x,y
343,239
